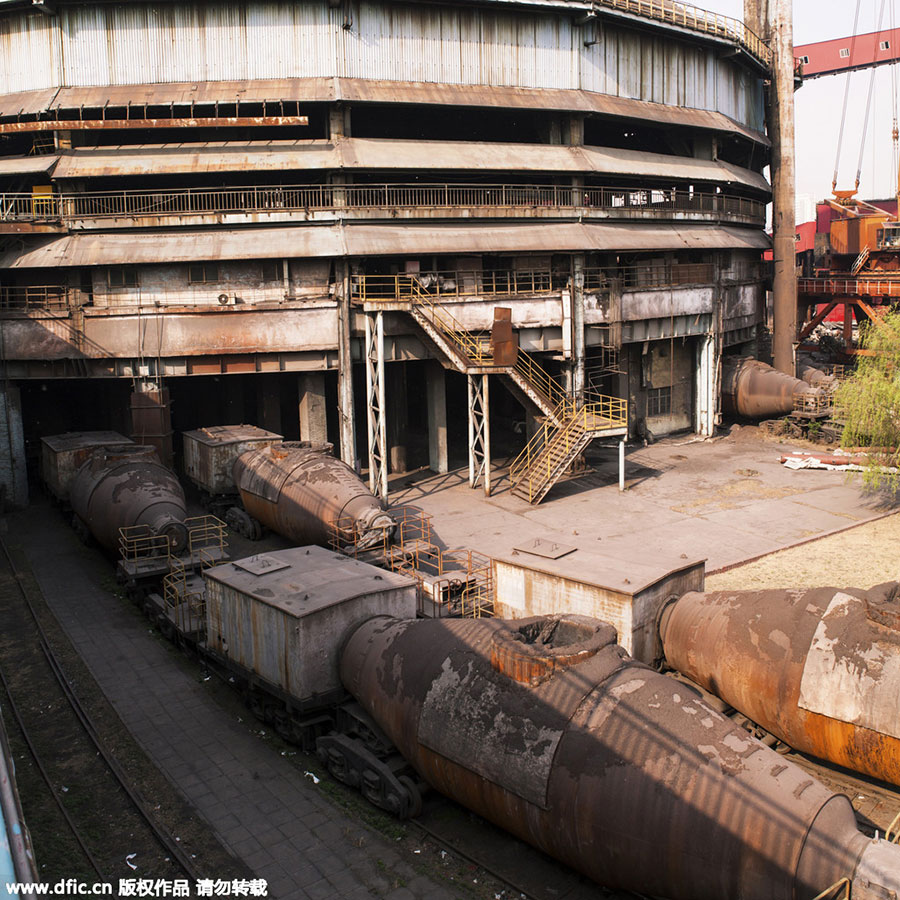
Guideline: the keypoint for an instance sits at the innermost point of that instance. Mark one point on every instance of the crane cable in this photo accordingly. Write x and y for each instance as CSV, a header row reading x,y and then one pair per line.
x,y
840,141
862,140
895,131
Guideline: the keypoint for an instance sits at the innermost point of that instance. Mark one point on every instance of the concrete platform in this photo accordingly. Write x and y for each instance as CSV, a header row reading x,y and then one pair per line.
x,y
724,499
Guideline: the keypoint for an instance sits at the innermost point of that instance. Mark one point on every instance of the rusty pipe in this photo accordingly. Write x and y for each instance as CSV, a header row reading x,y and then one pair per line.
x,y
753,389
125,486
549,729
302,492
820,669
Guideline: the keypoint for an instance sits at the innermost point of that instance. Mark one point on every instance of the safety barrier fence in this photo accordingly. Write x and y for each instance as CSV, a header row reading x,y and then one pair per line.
x,y
850,287
427,288
72,207
702,20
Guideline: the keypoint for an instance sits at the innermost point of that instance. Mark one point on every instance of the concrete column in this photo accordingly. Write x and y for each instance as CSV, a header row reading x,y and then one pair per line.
x,y
311,408
346,408
574,130
338,121
705,418
397,416
13,474
578,326
437,416
781,131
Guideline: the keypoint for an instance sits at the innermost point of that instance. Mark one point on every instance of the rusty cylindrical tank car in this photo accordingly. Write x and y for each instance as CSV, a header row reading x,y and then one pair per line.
x,y
756,390
299,490
547,728
819,669
124,486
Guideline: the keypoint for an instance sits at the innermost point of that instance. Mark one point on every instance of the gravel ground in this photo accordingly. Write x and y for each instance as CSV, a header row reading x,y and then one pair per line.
x,y
861,556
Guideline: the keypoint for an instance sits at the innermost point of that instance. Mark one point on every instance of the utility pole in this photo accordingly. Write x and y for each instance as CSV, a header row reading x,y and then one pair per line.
x,y
781,131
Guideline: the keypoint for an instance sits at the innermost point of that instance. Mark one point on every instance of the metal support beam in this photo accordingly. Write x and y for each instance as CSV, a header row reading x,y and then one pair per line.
x,y
622,464
479,433
816,320
376,413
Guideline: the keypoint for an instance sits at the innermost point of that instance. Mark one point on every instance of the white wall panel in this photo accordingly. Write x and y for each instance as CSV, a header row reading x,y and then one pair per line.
x,y
141,42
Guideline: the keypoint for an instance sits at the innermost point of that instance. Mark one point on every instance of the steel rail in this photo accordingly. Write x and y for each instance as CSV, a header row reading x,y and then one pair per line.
x,y
160,832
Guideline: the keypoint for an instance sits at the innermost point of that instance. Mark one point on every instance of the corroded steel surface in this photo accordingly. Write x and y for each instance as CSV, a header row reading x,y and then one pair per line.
x,y
368,90
818,668
752,388
126,486
599,761
301,491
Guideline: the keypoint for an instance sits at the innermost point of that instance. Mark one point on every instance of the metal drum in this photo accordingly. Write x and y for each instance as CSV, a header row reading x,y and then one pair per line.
x,y
819,669
753,389
302,492
550,730
127,486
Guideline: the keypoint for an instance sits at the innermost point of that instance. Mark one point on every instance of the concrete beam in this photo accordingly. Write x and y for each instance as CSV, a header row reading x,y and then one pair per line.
x,y
311,408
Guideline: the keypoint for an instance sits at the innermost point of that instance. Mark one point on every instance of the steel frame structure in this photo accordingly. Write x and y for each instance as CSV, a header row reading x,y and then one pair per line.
x,y
376,411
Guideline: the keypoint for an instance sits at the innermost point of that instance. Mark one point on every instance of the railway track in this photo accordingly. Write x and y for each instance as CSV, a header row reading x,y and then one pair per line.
x,y
106,828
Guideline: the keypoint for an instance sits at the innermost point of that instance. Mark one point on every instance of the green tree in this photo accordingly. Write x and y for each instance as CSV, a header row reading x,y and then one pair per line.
x,y
869,402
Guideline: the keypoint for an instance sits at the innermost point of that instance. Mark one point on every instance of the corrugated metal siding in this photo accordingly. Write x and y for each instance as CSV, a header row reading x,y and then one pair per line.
x,y
138,42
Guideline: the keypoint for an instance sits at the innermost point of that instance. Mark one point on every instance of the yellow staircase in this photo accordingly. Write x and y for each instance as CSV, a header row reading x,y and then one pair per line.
x,y
568,426
554,447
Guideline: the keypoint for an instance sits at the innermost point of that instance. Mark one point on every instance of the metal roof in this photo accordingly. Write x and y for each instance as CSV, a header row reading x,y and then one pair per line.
x,y
383,155
184,245
304,580
27,165
362,90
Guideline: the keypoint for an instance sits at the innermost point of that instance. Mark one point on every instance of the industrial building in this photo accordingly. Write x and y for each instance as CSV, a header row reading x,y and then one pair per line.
x,y
425,232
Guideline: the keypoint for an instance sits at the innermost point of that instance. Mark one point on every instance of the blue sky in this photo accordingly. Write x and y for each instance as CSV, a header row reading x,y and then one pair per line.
x,y
818,103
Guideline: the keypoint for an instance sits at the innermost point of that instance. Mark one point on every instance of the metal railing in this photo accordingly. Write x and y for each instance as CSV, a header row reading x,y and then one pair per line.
x,y
540,455
448,582
446,285
426,287
697,20
850,287
20,207
650,276
813,404
46,296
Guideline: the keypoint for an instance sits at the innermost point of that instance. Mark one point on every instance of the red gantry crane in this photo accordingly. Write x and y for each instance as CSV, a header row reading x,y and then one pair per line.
x,y
862,273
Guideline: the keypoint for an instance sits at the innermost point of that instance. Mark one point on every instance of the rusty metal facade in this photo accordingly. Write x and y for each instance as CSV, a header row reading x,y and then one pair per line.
x,y
771,670
301,491
126,486
547,728
139,42
210,453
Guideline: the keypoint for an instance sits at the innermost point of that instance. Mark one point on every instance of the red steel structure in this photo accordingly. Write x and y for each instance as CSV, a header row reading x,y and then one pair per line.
x,y
846,54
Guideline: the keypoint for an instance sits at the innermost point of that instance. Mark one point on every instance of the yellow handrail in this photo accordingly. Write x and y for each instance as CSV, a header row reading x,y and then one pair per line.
x,y
602,412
